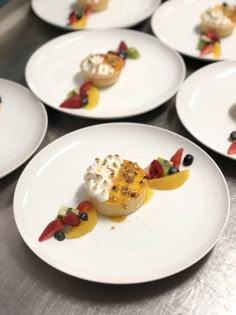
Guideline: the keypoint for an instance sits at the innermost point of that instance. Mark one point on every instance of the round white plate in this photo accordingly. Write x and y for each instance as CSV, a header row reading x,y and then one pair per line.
x,y
144,84
168,234
206,105
23,124
119,13
176,23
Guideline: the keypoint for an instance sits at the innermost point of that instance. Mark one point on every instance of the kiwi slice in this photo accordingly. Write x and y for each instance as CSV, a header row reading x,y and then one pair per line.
x,y
165,164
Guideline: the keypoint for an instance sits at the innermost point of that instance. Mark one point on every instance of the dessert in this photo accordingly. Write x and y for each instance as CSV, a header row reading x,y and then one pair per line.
x,y
95,5
102,69
219,19
115,187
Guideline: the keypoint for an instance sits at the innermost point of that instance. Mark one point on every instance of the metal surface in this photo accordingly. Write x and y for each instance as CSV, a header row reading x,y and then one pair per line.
x,y
28,286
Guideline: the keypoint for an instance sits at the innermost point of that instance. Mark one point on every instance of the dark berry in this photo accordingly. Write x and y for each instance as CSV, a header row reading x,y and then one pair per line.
x,y
188,159
59,235
123,54
224,4
83,216
111,52
173,170
232,136
84,101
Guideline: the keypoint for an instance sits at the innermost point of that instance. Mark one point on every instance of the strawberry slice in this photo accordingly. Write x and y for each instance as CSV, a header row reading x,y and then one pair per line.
x,y
232,148
122,46
73,18
72,102
71,219
212,36
88,11
154,170
53,227
207,50
84,206
177,157
86,86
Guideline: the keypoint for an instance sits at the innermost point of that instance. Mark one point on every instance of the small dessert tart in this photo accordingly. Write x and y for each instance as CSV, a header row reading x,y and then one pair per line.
x,y
116,187
102,69
95,5
217,20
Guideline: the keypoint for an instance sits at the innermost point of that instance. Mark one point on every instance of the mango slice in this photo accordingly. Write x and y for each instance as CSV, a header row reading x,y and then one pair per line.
x,y
217,50
170,182
85,226
93,98
81,23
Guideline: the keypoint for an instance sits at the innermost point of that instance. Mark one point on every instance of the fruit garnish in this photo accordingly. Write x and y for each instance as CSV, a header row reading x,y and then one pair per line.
x,y
122,46
71,219
170,182
232,135
85,226
93,98
232,148
88,11
217,50
59,235
53,227
72,102
188,160
166,165
81,23
173,170
212,36
84,206
206,49
86,86
154,170
83,216
133,53
177,157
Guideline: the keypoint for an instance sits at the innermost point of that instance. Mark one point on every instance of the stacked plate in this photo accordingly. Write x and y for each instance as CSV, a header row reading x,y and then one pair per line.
x,y
162,237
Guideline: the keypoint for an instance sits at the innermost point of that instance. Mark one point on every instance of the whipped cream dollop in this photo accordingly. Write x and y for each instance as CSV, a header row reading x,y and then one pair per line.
x,y
216,17
95,64
100,175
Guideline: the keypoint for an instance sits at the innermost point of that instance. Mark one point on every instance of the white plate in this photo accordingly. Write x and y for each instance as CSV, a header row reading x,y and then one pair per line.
x,y
176,23
206,105
125,14
168,234
144,84
23,124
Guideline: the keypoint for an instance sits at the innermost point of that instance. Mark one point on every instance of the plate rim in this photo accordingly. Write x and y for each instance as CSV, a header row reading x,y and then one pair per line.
x,y
178,102
69,28
44,131
123,282
166,42
179,59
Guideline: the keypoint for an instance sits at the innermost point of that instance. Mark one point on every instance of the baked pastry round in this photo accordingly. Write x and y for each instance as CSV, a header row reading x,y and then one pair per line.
x,y
102,69
217,21
116,187
95,5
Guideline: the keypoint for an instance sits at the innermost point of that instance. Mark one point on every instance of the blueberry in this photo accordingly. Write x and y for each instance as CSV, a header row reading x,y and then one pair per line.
x,y
188,159
111,52
173,170
123,54
83,216
84,101
59,235
224,4
232,136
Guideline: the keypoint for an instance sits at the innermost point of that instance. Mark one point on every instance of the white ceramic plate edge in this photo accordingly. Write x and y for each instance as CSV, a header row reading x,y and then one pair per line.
x,y
94,279
43,132
183,121
140,112
69,28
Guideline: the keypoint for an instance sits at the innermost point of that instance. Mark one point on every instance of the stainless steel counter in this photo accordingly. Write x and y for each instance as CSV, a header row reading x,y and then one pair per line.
x,y
28,286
